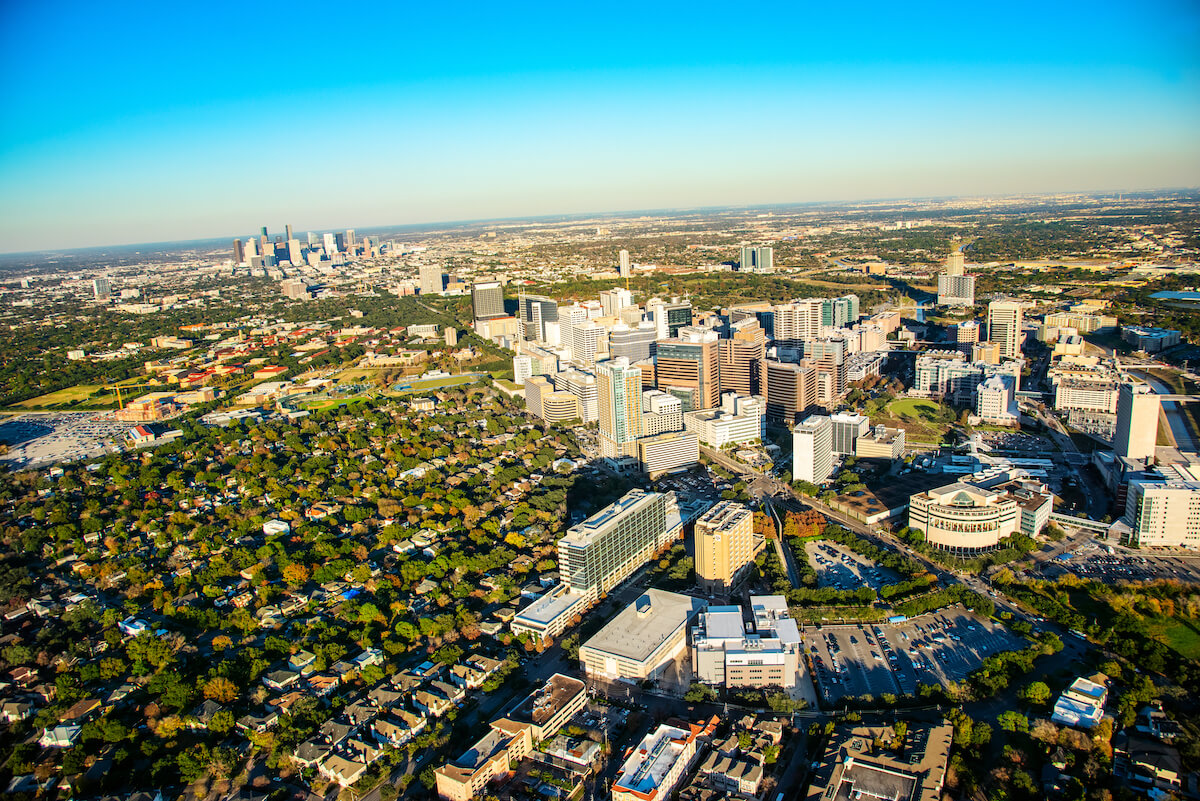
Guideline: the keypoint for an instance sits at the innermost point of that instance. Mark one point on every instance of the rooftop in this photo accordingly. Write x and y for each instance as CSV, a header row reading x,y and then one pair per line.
x,y
644,625
543,703
597,523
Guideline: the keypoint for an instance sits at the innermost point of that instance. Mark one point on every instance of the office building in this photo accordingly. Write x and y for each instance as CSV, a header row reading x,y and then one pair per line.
x,y
661,412
669,317
789,389
726,654
996,401
956,263
101,289
643,641
432,282
1137,421
294,288
880,442
487,300
328,244
522,368
655,767
1163,513
966,334
634,343
846,429
534,312
757,260
812,450
612,301
839,312
739,419
604,550
295,254
583,386
955,290
740,364
239,252
795,322
690,371
725,546
625,267
1004,327
669,452
963,518
619,399
1148,339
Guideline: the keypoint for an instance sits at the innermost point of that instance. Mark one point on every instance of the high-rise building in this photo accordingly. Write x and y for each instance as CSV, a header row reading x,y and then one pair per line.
x,y
966,334
313,240
956,263
288,229
812,449
634,344
101,288
725,546
294,288
239,252
522,369
604,550
847,428
329,244
740,366
661,412
1137,421
340,240
487,300
797,321
265,235
613,300
790,389
839,312
668,452
1163,514
690,371
956,290
534,311
619,397
350,238
451,337
1004,327
626,269
739,419
295,254
583,386
431,279
757,260
669,317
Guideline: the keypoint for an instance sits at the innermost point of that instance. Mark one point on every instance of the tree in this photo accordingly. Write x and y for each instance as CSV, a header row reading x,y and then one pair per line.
x,y
1013,721
221,690
222,722
698,693
1036,693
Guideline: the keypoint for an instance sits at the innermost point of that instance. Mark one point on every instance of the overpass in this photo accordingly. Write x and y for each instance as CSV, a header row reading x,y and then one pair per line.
x,y
1081,522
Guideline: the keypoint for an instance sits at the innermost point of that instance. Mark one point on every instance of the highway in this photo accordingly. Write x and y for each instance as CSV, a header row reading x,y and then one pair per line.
x,y
1173,410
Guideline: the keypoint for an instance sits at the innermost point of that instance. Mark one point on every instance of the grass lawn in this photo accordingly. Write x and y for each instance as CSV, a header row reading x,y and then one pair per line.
x,y
355,374
61,398
435,383
920,419
329,403
914,407
1179,635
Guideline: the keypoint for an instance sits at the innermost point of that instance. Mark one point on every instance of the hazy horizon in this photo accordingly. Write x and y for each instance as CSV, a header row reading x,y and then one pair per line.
x,y
128,126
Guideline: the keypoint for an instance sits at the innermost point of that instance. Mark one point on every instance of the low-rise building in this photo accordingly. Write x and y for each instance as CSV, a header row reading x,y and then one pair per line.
x,y
1149,339
853,768
1081,705
725,653
963,518
653,768
668,452
644,640
880,442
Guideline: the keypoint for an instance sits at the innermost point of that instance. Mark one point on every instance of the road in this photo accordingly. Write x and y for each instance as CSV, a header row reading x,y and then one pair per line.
x,y
1173,410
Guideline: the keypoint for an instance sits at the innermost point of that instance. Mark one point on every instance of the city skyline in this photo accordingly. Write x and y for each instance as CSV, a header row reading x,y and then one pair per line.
x,y
119,134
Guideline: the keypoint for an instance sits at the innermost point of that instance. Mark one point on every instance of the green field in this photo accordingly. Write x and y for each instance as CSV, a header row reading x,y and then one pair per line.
x,y
1179,635
921,419
917,408
63,398
436,383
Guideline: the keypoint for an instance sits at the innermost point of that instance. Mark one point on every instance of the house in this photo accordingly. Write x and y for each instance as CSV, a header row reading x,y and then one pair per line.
x,y
280,680
23,676
300,660
258,723
732,775
339,769
204,713
311,751
432,705
361,711
15,711
132,627
334,731
453,694
80,711
383,698
322,684
371,656
60,736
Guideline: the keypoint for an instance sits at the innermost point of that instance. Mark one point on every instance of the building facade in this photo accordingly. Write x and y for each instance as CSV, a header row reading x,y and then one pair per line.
x,y
725,545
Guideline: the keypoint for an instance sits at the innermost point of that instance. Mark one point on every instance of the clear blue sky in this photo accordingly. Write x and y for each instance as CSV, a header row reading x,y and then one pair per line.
x,y
131,122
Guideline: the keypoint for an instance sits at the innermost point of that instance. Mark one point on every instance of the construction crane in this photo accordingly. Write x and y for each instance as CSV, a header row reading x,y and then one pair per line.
x,y
116,390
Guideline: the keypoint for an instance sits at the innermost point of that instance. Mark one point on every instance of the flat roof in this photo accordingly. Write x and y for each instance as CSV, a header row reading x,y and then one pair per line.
x,y
581,532
545,702
635,633
549,607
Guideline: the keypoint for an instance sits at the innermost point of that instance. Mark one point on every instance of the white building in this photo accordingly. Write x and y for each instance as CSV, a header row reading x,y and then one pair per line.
x,y
996,401
725,653
738,419
644,640
1163,514
667,452
812,449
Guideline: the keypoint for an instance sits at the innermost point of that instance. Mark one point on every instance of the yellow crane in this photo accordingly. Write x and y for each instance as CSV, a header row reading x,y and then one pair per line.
x,y
116,390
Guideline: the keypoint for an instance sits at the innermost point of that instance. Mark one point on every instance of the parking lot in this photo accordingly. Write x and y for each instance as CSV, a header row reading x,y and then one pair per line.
x,y
1094,561
843,569
873,659
36,440
1018,441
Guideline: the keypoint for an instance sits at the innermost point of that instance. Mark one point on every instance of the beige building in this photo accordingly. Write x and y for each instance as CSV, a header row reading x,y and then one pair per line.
x,y
963,518
666,452
1137,421
725,654
1004,327
725,545
880,442
654,768
644,640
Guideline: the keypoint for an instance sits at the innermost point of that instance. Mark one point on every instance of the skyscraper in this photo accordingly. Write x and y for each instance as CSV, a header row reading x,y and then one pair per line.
x,y
101,289
839,312
790,389
690,371
619,397
626,269
956,263
812,449
1004,327
288,229
430,276
329,244
487,300
295,256
534,311
797,321
740,366
847,428
956,290
757,260
340,239
265,235
350,238
239,252
1137,421
634,344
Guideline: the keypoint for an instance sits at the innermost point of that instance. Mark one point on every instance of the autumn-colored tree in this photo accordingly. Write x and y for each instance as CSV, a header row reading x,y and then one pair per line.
x,y
295,574
220,689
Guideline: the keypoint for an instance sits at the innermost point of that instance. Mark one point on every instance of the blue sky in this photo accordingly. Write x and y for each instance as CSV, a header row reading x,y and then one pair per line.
x,y
130,122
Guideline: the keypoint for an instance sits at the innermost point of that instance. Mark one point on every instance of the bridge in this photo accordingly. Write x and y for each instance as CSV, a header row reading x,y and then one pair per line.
x,y
1080,522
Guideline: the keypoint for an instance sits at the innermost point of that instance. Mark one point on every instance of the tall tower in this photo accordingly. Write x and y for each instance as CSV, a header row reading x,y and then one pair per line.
x,y
626,269
430,277
690,371
956,263
619,397
487,300
239,252
1004,327
725,545
812,449
288,229
1137,421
